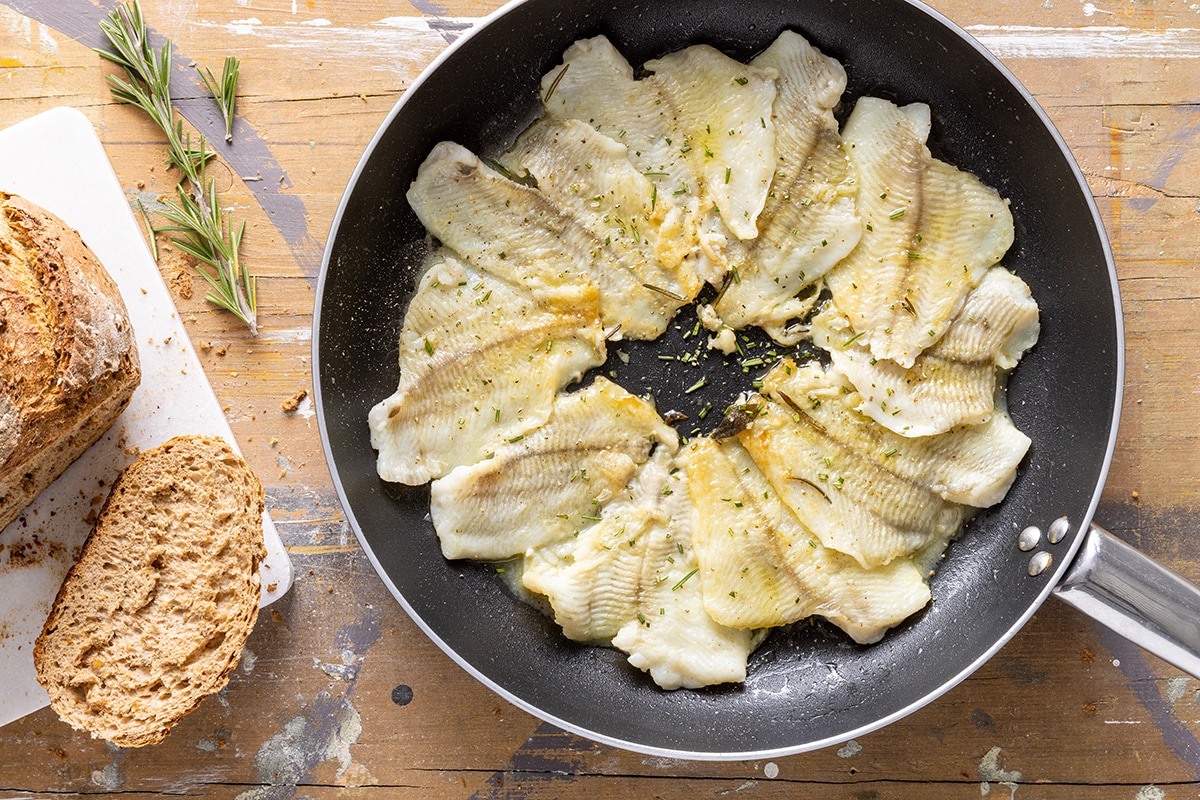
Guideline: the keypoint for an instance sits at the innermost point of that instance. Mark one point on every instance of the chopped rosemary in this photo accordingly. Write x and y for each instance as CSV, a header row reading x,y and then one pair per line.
x,y
667,292
679,584
554,83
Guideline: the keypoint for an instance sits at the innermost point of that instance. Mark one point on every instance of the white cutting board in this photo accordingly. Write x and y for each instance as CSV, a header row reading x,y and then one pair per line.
x,y
56,161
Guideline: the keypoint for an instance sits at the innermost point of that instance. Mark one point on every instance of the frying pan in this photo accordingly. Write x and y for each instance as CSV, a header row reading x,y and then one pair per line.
x,y
809,686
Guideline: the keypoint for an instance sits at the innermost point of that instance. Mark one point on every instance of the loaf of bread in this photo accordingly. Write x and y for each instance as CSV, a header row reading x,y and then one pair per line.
x,y
153,617
68,359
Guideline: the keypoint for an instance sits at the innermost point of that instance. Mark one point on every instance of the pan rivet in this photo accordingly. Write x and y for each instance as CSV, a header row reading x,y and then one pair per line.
x,y
1058,530
1040,562
1029,538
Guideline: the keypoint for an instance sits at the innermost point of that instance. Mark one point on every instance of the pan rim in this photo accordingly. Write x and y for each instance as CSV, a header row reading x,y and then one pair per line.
x,y
1048,587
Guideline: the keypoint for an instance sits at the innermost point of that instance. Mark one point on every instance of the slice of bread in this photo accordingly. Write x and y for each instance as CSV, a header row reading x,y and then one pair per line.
x,y
153,617
68,360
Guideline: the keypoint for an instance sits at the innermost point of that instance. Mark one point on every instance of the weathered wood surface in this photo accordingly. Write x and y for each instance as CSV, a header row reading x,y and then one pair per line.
x,y
340,694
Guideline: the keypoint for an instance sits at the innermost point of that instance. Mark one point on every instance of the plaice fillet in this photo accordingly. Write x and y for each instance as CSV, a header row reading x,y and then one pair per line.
x,y
825,462
930,233
589,179
970,464
761,567
630,581
495,225
809,220
481,362
699,126
952,383
552,482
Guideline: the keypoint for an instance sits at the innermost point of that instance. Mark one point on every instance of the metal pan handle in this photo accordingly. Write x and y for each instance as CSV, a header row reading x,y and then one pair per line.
x,y
1136,597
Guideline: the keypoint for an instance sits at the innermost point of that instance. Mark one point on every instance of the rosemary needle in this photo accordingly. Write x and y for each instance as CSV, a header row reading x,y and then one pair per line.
x,y
206,233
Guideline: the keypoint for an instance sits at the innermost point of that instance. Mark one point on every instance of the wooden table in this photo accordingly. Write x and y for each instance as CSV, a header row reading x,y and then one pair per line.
x,y
339,693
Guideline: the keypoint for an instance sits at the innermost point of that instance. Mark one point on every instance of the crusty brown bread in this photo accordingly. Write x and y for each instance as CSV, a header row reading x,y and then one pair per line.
x,y
68,359
153,617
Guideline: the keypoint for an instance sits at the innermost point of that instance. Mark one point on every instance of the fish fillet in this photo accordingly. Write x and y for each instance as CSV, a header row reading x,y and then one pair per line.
x,y
699,126
639,244
630,581
761,567
953,382
930,233
809,221
481,361
552,482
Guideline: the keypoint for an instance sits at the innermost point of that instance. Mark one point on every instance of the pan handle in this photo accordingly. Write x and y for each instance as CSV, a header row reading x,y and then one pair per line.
x,y
1136,597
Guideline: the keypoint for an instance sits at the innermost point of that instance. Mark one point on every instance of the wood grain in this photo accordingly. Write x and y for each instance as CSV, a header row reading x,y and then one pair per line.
x,y
339,693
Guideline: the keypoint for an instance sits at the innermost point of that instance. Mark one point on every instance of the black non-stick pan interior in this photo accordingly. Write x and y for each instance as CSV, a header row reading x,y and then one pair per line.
x,y
809,685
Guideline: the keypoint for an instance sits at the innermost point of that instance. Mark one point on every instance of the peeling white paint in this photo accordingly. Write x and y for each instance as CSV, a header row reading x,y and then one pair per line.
x,y
849,749
1092,41
289,335
1176,688
243,27
1150,793
349,728
392,44
17,25
990,772
47,44
110,779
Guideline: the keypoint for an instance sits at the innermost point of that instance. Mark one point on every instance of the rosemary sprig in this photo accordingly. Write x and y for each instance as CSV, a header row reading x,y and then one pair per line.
x,y
206,236
224,91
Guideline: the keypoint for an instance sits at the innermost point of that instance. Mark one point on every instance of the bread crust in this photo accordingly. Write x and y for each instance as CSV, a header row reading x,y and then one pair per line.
x,y
154,615
68,359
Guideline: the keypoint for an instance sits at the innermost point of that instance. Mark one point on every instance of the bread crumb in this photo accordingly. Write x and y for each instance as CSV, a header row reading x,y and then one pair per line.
x,y
204,345
293,402
181,284
1135,496
272,587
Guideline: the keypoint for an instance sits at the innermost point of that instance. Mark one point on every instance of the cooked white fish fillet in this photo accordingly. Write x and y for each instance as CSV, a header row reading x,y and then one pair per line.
x,y
952,383
972,464
849,501
700,127
515,232
630,581
481,362
931,232
809,221
595,84
723,108
496,225
589,178
761,567
552,482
